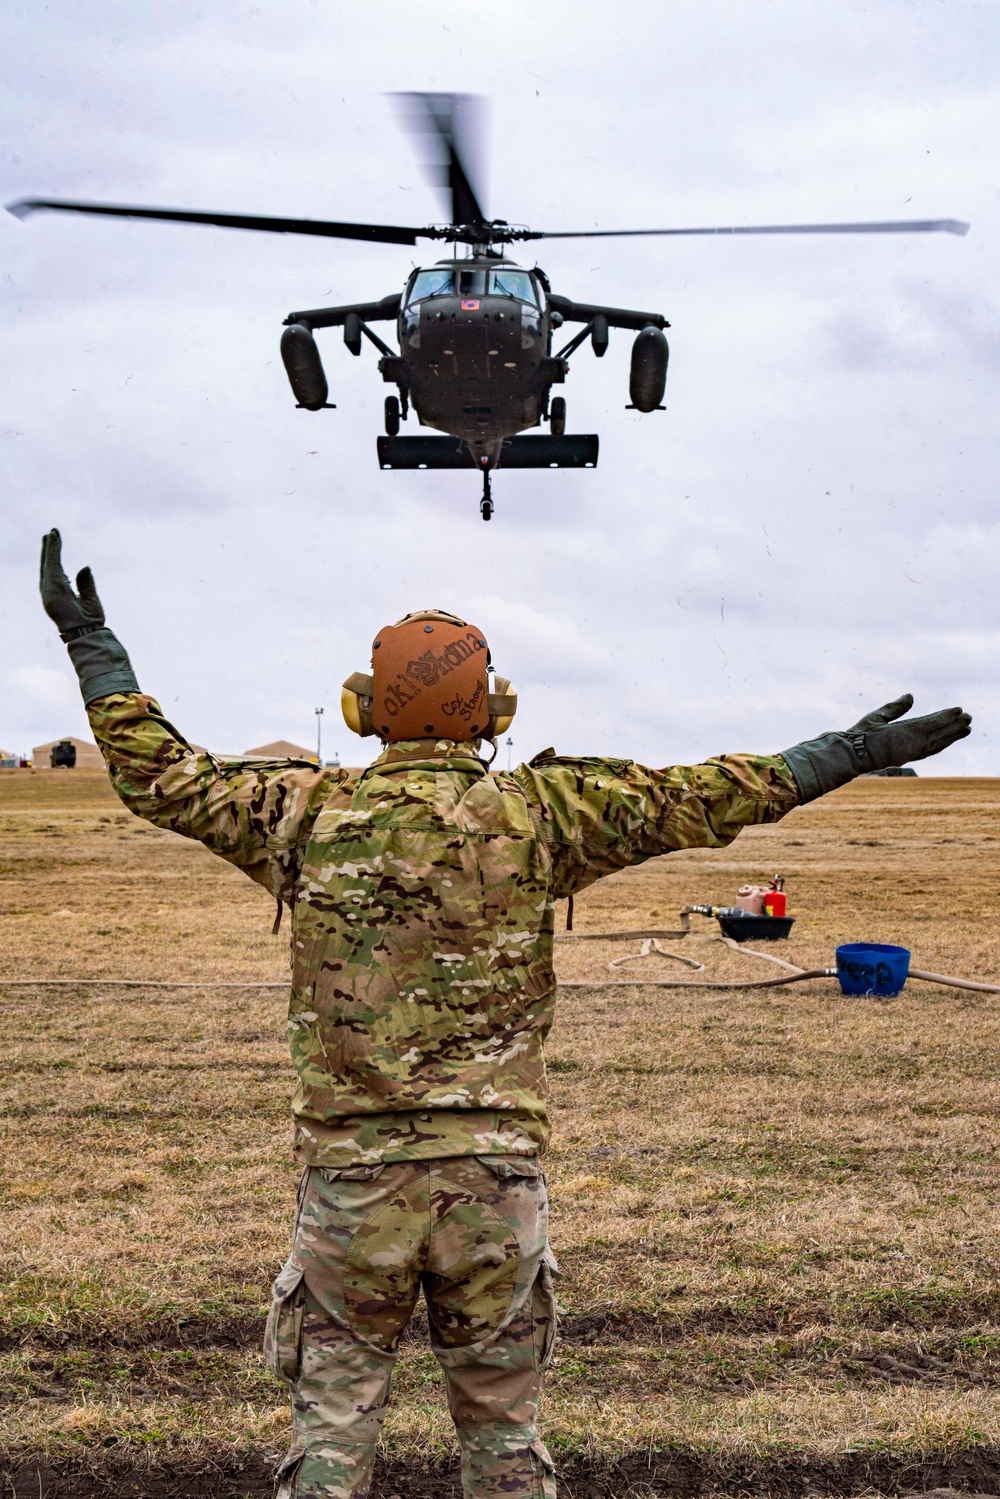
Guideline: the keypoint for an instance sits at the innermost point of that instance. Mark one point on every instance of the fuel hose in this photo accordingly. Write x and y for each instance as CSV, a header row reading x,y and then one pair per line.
x,y
650,938
786,978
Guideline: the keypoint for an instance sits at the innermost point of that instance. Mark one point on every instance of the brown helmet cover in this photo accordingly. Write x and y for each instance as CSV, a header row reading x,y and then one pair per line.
x,y
429,679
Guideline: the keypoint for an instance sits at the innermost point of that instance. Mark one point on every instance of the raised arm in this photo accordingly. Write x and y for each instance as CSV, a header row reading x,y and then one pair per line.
x,y
599,815
254,813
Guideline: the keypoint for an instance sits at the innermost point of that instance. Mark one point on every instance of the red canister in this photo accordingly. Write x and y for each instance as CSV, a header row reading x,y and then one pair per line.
x,y
774,903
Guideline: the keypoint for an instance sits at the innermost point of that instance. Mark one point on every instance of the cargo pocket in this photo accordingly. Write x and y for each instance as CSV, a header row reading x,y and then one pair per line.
x,y
543,1471
283,1333
544,1311
286,1473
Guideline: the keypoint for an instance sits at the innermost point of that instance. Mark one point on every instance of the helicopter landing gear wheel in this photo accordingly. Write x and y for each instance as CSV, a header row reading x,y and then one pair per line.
x,y
557,416
392,416
486,503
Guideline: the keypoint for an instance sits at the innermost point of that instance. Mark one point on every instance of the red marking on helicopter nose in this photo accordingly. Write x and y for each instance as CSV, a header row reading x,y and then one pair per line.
x,y
470,306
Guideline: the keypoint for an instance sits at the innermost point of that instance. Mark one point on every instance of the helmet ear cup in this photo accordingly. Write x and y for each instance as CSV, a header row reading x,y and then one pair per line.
x,y
502,705
356,703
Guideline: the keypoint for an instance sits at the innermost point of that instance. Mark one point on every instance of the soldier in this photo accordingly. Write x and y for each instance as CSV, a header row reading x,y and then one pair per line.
x,y
421,894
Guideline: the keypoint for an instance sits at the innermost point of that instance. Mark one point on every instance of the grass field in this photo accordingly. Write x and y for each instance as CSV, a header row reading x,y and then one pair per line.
x,y
776,1213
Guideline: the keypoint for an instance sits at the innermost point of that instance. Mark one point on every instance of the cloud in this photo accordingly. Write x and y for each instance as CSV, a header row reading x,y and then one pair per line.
x,y
42,686
923,329
542,648
40,703
808,529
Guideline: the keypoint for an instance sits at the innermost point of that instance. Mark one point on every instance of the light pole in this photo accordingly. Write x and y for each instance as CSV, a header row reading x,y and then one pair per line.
x,y
510,743
319,736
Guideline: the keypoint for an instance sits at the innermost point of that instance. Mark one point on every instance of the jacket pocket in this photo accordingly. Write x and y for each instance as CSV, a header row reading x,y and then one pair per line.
x,y
505,1166
331,1174
283,1333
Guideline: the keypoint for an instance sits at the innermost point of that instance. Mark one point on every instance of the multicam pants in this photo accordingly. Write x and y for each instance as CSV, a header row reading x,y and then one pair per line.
x,y
473,1233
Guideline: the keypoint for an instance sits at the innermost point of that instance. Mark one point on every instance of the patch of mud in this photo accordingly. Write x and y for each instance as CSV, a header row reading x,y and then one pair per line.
x,y
911,1365
186,1332
971,1475
616,1326
598,1325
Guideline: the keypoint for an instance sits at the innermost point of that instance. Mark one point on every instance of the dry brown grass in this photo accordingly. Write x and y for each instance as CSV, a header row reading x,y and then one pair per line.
x,y
776,1213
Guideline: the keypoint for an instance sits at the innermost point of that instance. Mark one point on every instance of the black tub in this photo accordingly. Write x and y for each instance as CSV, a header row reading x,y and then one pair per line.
x,y
756,928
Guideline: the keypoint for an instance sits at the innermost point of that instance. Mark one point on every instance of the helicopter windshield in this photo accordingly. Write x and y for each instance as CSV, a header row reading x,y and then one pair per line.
x,y
431,284
473,283
512,284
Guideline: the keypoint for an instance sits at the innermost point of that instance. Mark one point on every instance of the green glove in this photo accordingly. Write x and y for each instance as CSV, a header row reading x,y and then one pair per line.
x,y
874,743
101,662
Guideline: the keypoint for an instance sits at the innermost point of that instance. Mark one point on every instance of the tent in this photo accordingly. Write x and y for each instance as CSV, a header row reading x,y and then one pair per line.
x,y
88,756
281,749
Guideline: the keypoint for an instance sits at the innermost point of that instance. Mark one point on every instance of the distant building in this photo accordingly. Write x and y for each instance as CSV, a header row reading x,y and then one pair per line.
x,y
88,756
281,749
893,770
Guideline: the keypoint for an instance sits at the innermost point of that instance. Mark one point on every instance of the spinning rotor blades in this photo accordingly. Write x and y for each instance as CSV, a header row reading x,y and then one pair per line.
x,y
388,234
471,230
450,125
889,226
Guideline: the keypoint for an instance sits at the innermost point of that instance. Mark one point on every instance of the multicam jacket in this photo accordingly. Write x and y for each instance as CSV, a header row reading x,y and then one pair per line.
x,y
422,892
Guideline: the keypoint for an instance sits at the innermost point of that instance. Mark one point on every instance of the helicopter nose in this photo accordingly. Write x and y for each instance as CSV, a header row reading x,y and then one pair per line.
x,y
488,329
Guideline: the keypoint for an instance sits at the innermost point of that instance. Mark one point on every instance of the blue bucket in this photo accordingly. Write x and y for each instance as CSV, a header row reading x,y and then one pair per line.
x,y
872,968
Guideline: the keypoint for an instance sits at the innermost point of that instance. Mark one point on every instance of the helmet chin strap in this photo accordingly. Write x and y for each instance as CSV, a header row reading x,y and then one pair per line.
x,y
494,754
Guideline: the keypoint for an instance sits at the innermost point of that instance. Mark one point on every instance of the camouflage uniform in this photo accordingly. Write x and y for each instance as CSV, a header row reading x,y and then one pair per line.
x,y
422,894
472,1232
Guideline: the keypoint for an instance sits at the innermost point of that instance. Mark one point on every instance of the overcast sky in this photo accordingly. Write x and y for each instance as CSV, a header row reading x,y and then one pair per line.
x,y
810,527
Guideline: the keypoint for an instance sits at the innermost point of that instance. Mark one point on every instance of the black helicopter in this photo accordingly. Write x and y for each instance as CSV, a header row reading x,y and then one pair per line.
x,y
475,357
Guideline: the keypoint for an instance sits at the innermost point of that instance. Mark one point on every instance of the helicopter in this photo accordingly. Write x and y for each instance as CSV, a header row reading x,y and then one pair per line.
x,y
475,331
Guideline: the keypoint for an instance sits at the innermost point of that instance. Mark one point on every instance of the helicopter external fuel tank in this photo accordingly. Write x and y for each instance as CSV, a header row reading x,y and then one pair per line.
x,y
304,367
648,375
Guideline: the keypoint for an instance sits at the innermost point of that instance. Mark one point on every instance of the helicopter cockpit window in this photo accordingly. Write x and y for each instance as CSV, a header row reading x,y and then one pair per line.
x,y
513,284
431,284
472,283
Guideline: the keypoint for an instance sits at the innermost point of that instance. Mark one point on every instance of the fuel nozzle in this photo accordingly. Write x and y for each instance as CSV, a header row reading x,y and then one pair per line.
x,y
768,923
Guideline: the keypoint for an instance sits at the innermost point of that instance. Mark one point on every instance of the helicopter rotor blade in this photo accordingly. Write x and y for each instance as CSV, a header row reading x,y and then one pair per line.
x,y
387,234
451,126
890,226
